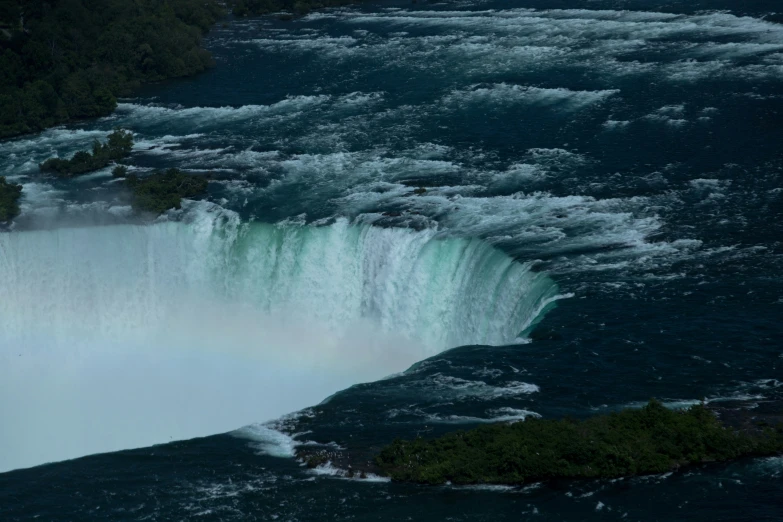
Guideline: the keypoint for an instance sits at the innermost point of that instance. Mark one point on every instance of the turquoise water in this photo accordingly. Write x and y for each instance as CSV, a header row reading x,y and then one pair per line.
x,y
605,175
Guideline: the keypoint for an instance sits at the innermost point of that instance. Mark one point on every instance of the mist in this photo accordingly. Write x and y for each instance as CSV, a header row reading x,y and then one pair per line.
x,y
220,371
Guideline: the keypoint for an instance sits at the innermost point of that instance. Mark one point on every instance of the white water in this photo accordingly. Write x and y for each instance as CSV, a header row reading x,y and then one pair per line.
x,y
126,336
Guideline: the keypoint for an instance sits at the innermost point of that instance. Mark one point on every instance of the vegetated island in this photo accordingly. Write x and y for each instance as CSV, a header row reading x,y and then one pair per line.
x,y
631,442
118,145
64,61
9,200
164,190
154,193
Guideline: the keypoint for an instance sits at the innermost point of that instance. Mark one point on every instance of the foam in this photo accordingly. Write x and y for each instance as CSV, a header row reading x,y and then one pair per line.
x,y
21,156
456,388
709,184
360,183
770,466
671,110
736,49
520,222
611,125
495,488
481,42
50,140
204,118
505,94
517,176
617,24
319,44
268,441
498,415
164,142
681,404
664,119
329,470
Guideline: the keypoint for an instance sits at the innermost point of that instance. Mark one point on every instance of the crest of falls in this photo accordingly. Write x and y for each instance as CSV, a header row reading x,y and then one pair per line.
x,y
126,336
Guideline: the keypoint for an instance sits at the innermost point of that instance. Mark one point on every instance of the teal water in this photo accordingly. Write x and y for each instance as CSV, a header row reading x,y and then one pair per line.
x,y
604,175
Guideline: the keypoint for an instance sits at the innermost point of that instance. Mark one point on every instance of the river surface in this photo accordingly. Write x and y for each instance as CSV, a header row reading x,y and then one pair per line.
x,y
421,217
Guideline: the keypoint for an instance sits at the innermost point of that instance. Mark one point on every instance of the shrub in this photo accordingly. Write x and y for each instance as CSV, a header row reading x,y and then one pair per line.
x,y
118,145
9,200
162,191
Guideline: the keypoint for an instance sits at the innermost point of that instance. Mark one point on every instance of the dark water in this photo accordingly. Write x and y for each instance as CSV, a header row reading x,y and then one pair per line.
x,y
628,150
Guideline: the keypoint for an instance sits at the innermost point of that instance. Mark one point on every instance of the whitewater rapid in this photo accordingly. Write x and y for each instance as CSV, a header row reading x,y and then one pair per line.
x,y
125,336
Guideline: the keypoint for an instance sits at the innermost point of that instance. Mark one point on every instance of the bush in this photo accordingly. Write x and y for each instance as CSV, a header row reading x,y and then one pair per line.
x,y
118,145
650,440
9,200
162,191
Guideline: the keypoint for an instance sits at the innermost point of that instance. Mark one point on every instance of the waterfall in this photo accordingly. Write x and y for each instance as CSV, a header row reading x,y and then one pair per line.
x,y
125,336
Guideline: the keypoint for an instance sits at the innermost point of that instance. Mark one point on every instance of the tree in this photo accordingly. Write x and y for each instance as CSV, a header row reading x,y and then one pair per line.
x,y
9,200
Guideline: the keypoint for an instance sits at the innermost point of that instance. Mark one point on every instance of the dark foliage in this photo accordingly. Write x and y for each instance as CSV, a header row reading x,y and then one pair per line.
x,y
632,442
164,190
64,60
120,171
118,145
9,200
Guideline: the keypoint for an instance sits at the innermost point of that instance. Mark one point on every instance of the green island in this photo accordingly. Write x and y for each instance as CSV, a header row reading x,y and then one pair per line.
x,y
155,193
164,190
631,442
9,200
118,145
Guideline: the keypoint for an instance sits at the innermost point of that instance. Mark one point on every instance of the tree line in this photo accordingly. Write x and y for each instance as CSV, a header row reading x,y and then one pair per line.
x,y
66,60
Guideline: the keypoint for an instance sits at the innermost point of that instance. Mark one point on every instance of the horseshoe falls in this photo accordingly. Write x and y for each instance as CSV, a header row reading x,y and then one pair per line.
x,y
147,327
420,218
